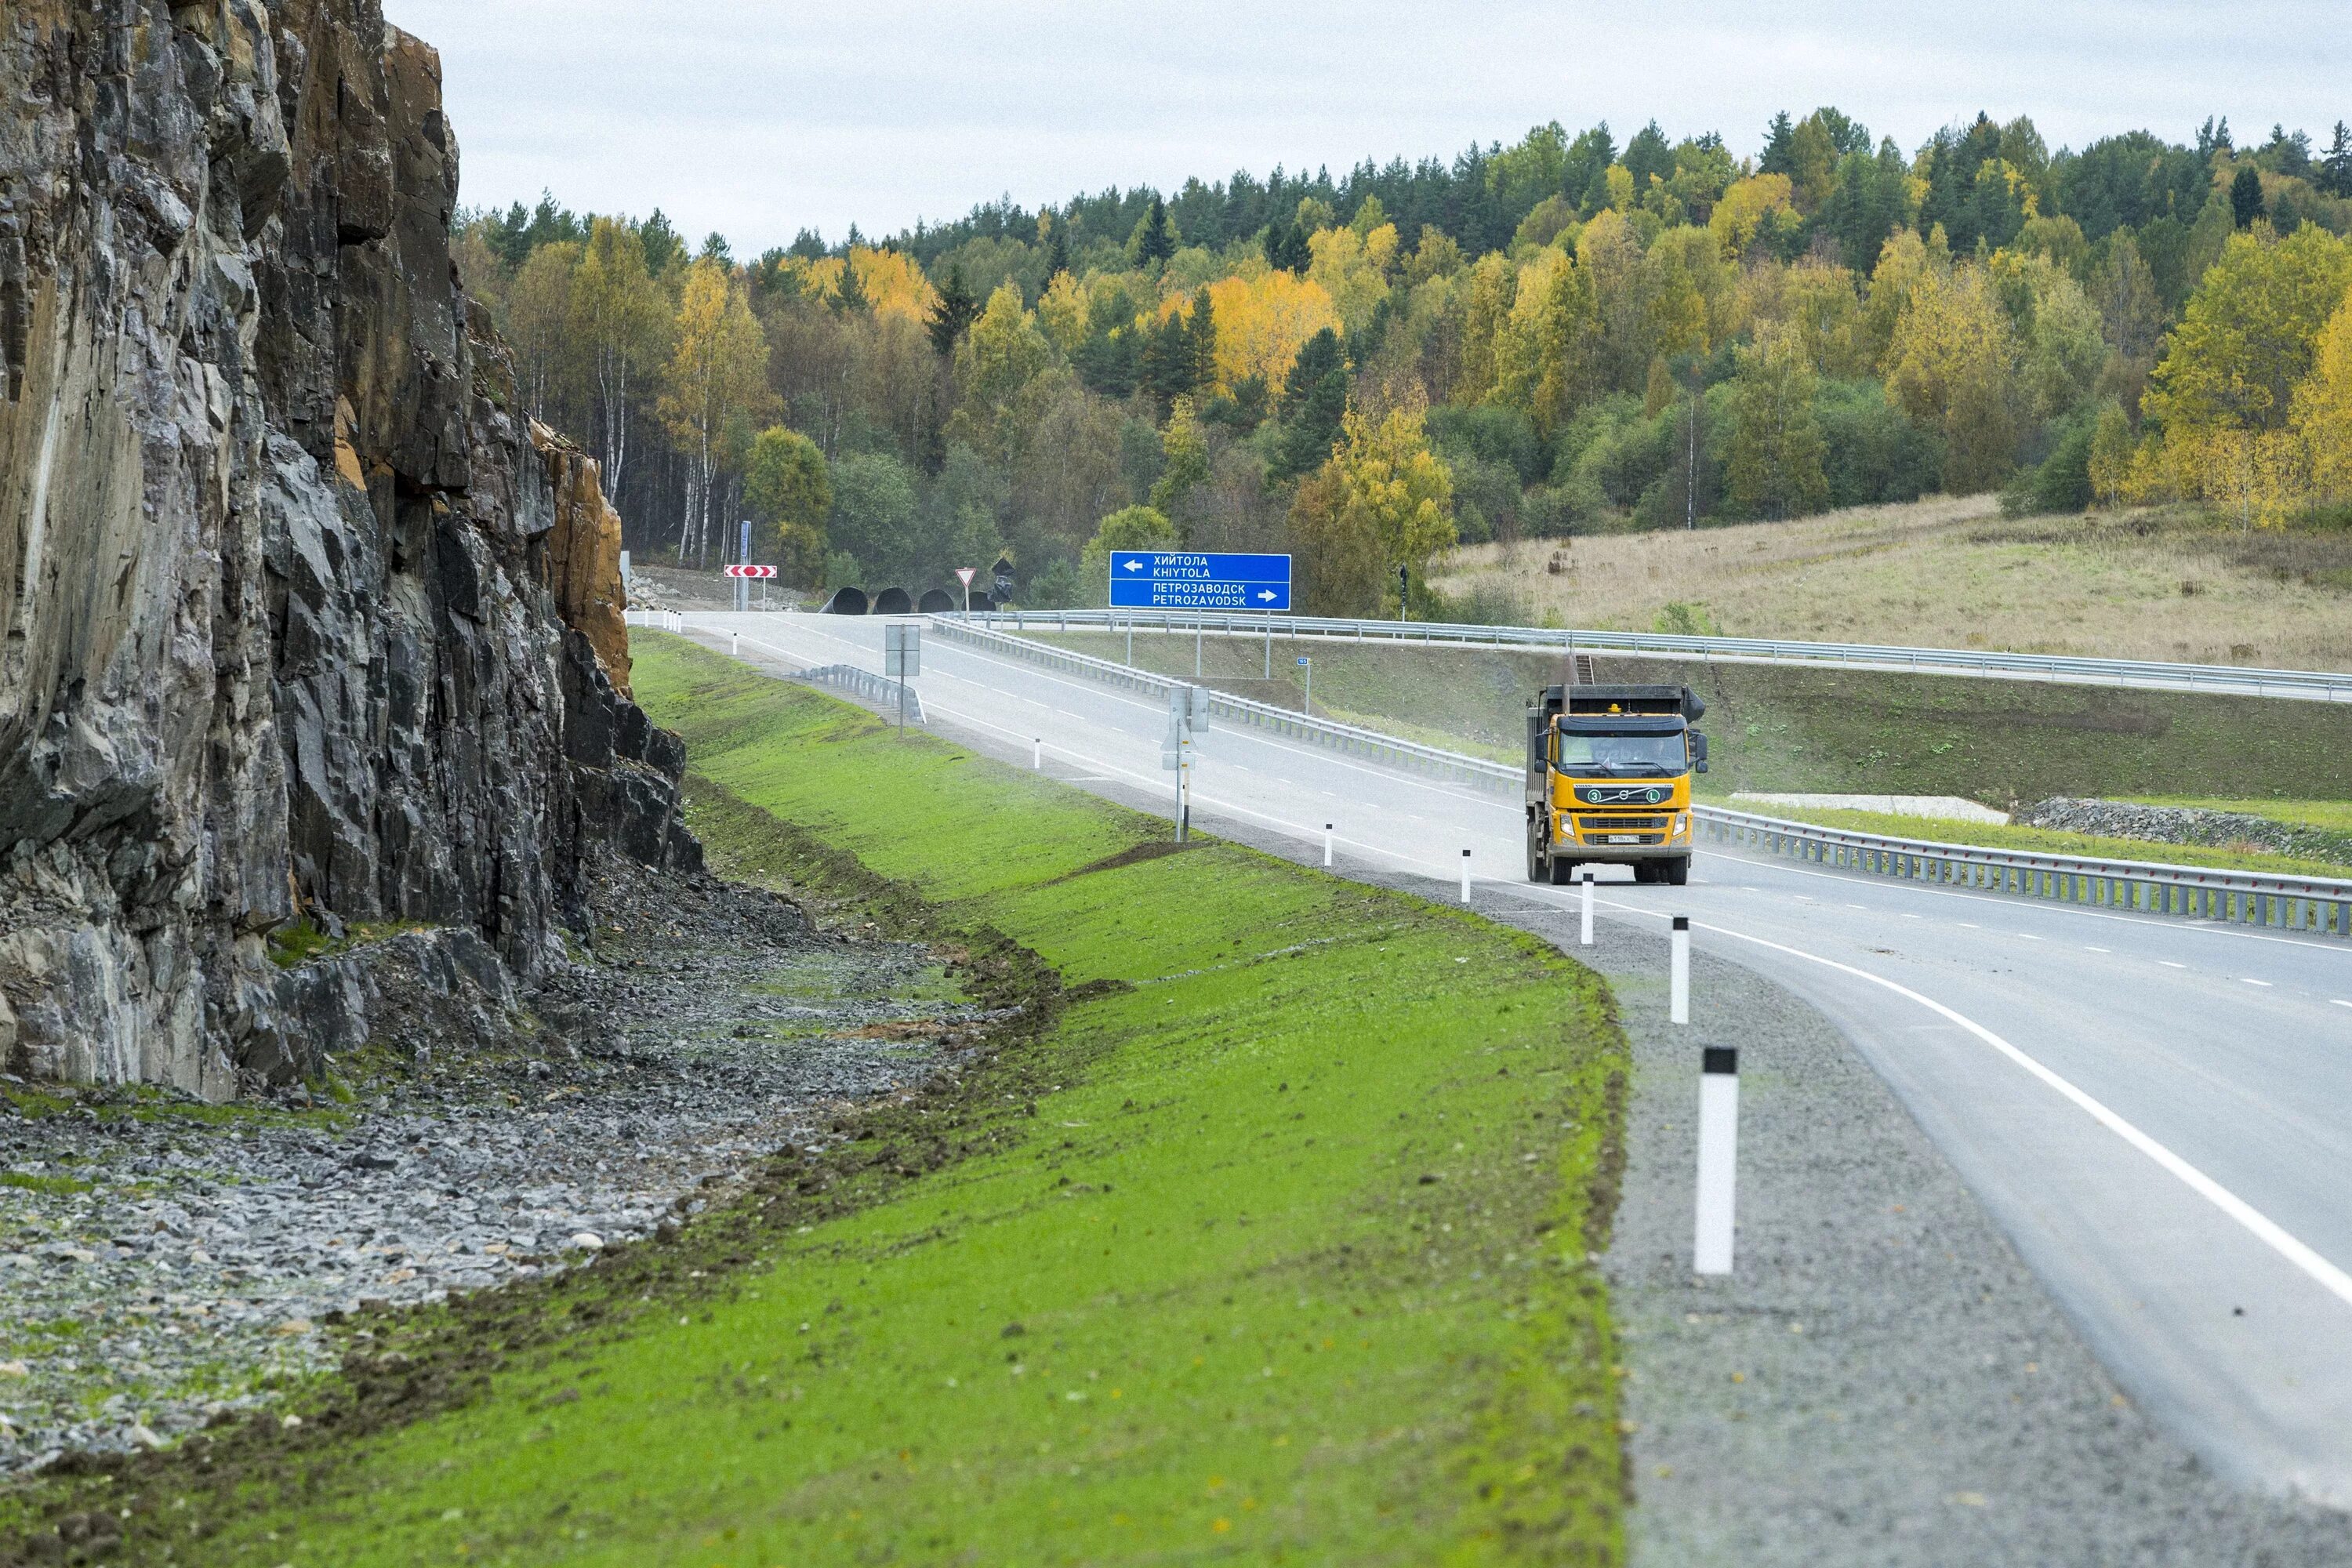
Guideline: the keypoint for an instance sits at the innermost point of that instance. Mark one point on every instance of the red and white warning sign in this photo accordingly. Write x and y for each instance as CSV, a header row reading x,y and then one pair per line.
x,y
966,574
750,570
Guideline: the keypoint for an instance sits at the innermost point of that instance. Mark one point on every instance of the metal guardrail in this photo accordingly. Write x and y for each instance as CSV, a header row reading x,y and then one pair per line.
x,y
2144,887
881,689
1370,743
2314,685
2138,887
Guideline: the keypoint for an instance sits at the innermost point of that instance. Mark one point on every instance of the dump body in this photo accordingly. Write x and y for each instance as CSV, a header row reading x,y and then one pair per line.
x,y
1609,775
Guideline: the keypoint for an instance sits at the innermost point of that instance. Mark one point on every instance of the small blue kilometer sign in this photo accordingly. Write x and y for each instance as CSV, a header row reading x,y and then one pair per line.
x,y
1198,580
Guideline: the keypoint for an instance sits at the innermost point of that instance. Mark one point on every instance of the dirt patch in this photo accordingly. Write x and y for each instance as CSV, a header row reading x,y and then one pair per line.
x,y
1135,855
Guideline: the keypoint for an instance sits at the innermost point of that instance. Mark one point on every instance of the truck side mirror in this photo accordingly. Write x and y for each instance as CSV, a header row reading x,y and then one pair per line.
x,y
1698,752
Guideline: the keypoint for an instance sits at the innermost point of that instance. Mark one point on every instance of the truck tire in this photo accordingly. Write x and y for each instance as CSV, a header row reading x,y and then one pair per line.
x,y
1538,868
1675,873
1563,872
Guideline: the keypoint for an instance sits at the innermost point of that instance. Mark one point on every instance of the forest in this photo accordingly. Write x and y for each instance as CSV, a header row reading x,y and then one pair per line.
x,y
1561,336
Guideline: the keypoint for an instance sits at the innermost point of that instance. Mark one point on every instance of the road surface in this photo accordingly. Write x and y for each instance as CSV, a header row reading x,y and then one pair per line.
x,y
2158,1113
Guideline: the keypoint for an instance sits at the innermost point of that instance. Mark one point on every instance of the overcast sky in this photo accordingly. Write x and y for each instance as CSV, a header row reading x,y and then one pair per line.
x,y
756,117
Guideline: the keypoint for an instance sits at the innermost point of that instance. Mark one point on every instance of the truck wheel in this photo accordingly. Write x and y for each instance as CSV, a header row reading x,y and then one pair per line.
x,y
1676,872
1563,872
1538,869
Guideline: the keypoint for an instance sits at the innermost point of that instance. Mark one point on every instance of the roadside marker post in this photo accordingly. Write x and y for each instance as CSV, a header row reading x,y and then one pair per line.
x,y
1678,972
1326,845
1307,665
735,645
1585,935
1465,876
1037,760
1718,1159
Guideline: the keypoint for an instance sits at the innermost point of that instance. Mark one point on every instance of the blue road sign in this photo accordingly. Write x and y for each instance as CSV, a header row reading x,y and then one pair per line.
x,y
1196,580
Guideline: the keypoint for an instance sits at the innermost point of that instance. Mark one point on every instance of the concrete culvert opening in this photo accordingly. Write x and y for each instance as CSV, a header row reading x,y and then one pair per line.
x,y
936,601
846,602
893,602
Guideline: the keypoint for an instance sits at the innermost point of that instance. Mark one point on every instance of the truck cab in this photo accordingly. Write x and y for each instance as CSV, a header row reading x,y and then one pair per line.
x,y
1609,777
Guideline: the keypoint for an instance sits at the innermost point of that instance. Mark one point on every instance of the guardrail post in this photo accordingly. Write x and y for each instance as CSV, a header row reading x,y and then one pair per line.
x,y
1718,1160
1678,971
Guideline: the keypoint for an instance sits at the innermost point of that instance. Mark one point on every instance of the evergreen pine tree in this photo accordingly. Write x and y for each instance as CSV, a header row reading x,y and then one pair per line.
x,y
1057,255
2246,195
1201,344
2336,169
956,307
1276,241
1314,402
849,293
1780,153
1155,237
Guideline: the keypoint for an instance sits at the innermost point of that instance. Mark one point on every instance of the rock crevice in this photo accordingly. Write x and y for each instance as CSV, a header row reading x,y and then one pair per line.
x,y
300,617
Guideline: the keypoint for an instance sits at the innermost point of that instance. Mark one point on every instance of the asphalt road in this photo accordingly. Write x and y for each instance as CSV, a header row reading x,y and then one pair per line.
x,y
2157,1113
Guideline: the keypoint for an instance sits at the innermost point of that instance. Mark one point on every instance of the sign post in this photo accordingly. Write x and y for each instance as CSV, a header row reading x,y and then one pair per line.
x,y
1198,580
742,557
902,658
1307,665
1188,721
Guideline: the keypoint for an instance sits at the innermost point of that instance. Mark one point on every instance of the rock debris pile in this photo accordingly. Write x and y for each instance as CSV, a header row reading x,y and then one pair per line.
x,y
163,1261
2187,825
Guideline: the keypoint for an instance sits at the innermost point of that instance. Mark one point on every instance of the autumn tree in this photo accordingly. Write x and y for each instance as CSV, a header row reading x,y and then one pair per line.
x,y
1777,450
620,321
2322,407
1186,446
717,376
1130,528
2249,333
1953,367
788,489
1394,490
1001,356
539,328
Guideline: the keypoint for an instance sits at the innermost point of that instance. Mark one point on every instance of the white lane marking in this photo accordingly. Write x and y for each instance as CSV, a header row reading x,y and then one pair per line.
x,y
2170,965
2027,936
1970,925
2328,1276
2339,1002
1862,906
1911,917
2250,980
2088,948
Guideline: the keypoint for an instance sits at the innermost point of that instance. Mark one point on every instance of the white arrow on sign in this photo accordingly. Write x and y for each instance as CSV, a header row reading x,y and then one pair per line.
x,y
1268,595
1135,565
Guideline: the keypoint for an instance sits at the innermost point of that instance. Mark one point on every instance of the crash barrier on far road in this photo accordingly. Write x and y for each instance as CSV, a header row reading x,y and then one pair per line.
x,y
2152,887
2136,887
865,683
1370,743
2314,685
660,620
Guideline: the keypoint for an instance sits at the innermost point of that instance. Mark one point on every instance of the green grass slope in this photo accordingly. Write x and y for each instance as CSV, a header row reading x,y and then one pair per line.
x,y
1263,1237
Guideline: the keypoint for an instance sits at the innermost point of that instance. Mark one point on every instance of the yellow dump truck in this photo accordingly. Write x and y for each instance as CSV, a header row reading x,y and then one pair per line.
x,y
1608,777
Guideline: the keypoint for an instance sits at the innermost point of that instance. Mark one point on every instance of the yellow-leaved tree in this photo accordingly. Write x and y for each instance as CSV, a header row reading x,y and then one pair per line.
x,y
621,323
1353,269
1547,352
1953,367
716,377
2322,407
1394,490
997,361
1263,320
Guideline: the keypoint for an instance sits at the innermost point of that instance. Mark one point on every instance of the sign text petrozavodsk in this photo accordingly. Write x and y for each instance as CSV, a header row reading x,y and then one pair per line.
x,y
1198,580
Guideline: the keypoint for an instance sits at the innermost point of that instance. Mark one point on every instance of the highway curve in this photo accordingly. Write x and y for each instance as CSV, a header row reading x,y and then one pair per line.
x,y
2157,1113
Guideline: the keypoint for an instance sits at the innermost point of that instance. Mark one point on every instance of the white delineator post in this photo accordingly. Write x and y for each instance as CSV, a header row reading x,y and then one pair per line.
x,y
1037,760
1678,972
1465,876
1718,1159
734,644
1327,844
1585,934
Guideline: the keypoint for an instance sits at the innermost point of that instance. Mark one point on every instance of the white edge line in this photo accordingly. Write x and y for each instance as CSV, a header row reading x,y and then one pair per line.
x,y
2330,1278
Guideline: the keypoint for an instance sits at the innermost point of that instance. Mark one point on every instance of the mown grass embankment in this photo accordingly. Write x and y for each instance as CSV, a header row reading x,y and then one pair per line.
x,y
1796,729
1262,1235
2051,841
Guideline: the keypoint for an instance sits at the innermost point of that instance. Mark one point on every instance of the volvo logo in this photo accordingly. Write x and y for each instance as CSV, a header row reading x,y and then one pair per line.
x,y
1627,795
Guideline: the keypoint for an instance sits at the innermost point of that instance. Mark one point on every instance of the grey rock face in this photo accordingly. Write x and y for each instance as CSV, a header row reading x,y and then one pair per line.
x,y
276,639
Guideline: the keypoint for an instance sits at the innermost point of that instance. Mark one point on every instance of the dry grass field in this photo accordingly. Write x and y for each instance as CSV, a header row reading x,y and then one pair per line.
x,y
1947,573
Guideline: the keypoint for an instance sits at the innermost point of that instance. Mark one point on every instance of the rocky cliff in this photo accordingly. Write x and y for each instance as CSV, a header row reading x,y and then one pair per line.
x,y
298,624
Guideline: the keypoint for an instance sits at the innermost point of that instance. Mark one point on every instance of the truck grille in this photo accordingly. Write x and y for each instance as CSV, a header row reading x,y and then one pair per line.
x,y
1592,822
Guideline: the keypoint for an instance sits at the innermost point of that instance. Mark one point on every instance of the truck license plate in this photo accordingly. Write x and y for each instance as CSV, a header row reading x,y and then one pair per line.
x,y
1624,839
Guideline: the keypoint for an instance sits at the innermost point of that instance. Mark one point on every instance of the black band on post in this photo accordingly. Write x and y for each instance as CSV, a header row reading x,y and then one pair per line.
x,y
1724,1059
1682,923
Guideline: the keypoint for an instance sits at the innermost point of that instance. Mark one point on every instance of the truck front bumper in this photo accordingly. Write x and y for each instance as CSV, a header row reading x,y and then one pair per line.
x,y
1587,836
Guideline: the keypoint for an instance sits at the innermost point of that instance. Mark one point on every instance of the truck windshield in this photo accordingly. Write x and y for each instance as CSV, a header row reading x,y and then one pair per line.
x,y
1620,756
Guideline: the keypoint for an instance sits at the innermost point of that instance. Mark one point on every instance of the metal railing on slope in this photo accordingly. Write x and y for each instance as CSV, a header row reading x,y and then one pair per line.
x,y
876,688
2138,887
2251,898
1348,738
2314,686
